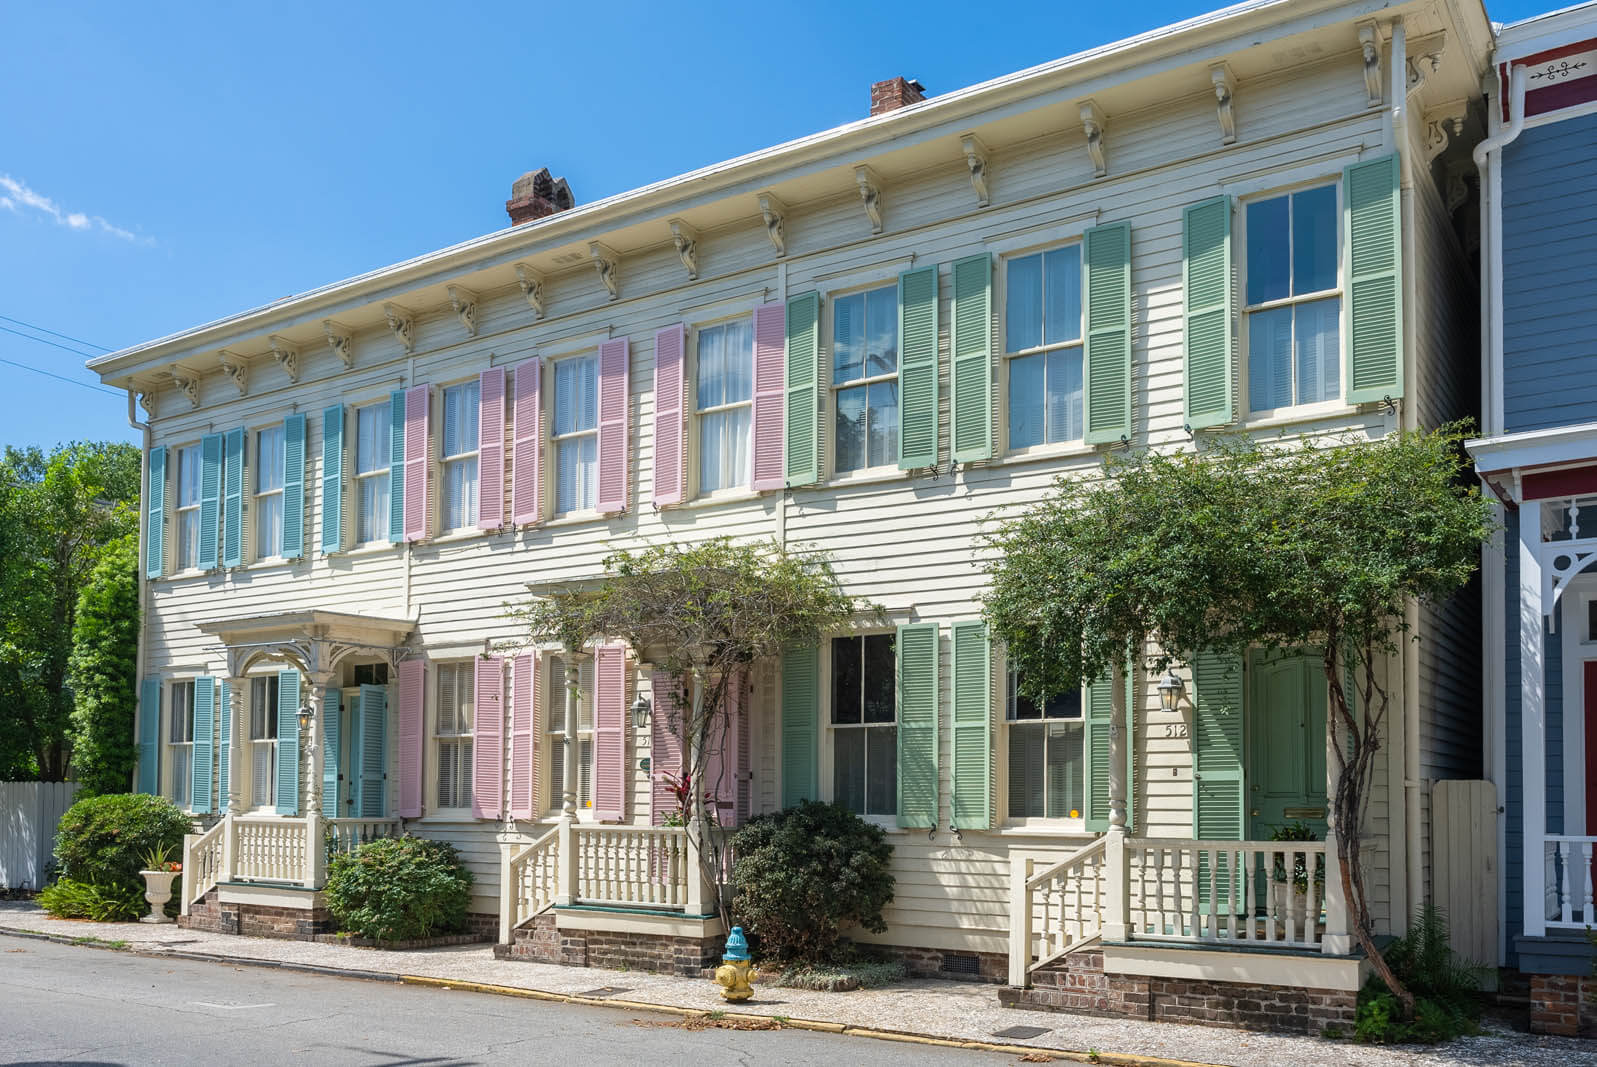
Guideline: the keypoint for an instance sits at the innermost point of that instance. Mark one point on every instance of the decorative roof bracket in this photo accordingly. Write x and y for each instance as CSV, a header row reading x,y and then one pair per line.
x,y
1225,90
686,239
403,322
187,384
341,339
1424,57
870,193
286,353
1442,124
608,263
1370,45
531,283
237,369
1093,125
976,160
465,305
774,211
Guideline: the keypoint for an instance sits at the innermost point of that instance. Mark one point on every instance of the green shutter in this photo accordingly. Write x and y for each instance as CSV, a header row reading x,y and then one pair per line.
x,y
373,747
224,745
155,517
1218,796
396,466
917,368
333,478
210,498
973,694
1108,316
294,487
332,795
1098,709
971,344
203,748
288,742
803,384
233,499
917,725
1373,231
150,736
1206,292
800,725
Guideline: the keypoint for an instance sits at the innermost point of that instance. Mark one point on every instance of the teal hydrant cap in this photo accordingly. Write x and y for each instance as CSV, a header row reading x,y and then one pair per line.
x,y
737,946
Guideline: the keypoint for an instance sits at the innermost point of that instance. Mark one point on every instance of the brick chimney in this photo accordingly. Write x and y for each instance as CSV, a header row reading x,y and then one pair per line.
x,y
536,194
895,93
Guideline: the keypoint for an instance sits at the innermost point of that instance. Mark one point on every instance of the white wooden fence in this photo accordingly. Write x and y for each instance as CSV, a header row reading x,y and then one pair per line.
x,y
29,814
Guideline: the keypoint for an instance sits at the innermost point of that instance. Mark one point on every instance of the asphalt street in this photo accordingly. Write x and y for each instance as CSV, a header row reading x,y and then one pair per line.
x,y
61,1003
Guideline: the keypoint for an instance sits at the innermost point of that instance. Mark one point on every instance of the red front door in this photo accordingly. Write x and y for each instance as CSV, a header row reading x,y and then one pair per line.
x,y
1591,746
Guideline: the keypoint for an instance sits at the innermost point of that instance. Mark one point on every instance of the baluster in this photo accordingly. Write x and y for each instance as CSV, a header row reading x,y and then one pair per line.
x,y
1585,871
1567,882
1311,909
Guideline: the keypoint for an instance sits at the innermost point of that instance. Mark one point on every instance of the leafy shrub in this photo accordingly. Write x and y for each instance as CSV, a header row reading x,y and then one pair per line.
x,y
103,840
1444,989
837,977
114,902
103,669
804,874
399,889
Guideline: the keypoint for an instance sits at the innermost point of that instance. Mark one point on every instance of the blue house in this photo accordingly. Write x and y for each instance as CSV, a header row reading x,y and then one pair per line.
x,y
1538,454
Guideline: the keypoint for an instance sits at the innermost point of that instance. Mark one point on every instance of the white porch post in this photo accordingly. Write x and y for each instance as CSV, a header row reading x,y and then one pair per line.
x,y
238,759
507,890
1532,718
1019,920
1337,941
566,891
315,757
1117,909
698,892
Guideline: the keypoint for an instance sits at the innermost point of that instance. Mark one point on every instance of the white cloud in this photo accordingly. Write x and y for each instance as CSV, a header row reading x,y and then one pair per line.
x,y
18,196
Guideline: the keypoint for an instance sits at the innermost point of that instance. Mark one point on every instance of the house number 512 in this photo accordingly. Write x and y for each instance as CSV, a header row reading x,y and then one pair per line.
x,y
1175,729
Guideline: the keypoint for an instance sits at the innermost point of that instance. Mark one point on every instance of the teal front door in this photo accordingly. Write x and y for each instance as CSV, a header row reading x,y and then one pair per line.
x,y
1286,743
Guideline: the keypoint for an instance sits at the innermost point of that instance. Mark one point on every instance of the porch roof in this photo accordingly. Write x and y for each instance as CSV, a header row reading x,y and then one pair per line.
x,y
316,640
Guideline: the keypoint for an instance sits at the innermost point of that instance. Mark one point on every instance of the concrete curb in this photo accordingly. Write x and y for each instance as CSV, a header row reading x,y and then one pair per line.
x,y
819,1025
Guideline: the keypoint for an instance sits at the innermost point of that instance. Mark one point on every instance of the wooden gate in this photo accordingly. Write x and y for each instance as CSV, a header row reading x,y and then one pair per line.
x,y
1464,869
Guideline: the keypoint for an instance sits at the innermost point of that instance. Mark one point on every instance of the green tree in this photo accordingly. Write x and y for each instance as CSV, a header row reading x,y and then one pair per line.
x,y
101,670
58,511
1321,544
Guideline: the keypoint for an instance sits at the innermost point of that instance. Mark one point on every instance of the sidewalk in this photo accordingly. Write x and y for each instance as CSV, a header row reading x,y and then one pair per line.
x,y
957,1011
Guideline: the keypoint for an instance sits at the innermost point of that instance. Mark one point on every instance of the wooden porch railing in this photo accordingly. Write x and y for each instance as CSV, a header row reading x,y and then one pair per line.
x,y
530,882
346,835
1569,881
203,863
632,866
1054,911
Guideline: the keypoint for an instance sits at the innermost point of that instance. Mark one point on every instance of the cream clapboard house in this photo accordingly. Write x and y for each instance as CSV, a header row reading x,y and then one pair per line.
x,y
869,340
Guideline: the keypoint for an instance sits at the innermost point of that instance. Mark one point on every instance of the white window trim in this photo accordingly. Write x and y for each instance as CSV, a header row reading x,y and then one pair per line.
x,y
1021,824
826,762
863,282
551,466
1046,449
179,565
435,740
169,777
252,529
250,807
385,472
446,461
693,452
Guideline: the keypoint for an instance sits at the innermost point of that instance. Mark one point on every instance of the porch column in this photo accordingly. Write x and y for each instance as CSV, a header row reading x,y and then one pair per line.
x,y
315,849
566,890
237,758
1532,719
1337,941
699,890
1117,909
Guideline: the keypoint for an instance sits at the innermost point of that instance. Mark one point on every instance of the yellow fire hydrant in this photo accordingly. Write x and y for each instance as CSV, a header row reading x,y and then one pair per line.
x,y
736,972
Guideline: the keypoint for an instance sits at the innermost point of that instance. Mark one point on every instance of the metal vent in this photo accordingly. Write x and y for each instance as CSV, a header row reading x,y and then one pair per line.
x,y
961,963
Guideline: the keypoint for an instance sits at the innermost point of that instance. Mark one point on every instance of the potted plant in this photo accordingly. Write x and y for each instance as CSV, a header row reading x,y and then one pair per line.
x,y
160,871
1290,891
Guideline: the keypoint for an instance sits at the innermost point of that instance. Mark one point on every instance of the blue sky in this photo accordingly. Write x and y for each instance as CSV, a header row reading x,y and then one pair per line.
x,y
162,165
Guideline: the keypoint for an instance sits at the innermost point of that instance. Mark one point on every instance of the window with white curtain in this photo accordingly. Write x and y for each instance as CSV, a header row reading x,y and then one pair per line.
x,y
1293,301
460,456
188,507
1046,755
562,703
576,434
1042,344
725,391
263,741
180,740
373,442
269,492
865,379
452,734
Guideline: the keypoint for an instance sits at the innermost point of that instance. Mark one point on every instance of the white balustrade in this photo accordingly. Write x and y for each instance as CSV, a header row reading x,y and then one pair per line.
x,y
202,863
531,881
1056,910
1569,881
632,866
1269,893
346,835
269,849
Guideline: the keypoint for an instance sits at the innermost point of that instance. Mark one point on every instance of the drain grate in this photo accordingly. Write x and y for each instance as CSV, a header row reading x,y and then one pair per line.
x,y
606,991
1022,1033
961,963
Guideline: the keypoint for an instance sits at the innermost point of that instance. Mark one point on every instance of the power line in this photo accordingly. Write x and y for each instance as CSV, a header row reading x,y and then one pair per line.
x,y
52,333
58,377
52,344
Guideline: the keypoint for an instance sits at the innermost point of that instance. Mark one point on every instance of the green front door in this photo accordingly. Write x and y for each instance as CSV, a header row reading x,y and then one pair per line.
x,y
1286,743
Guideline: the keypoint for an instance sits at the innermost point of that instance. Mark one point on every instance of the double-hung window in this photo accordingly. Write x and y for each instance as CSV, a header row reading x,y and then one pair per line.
x,y
460,456
562,704
1294,300
180,740
263,741
452,735
373,441
188,507
864,724
269,492
1046,755
576,433
1042,341
865,379
725,389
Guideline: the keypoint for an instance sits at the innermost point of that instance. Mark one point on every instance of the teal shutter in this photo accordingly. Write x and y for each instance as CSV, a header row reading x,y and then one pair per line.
x,y
1373,231
210,498
1098,711
803,387
917,369
917,725
1108,344
396,466
233,499
1218,797
973,694
224,745
150,736
801,713
288,742
155,517
373,743
333,478
971,345
294,487
332,795
1206,295
202,750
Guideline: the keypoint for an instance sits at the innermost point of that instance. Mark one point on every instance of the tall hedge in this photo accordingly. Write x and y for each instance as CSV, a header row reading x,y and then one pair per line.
x,y
102,670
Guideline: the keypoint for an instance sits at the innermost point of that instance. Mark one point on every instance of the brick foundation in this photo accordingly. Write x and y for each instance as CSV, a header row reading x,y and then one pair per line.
x,y
937,963
1077,983
1563,1004
255,920
543,942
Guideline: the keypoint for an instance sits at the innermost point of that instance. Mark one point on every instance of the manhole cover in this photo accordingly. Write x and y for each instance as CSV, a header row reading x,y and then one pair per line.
x,y
606,991
1022,1033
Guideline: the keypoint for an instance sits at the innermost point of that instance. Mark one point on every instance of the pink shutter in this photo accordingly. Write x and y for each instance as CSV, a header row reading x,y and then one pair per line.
x,y
526,478
412,686
416,466
488,740
609,740
770,357
668,458
491,449
613,408
523,773
666,748
743,797
723,765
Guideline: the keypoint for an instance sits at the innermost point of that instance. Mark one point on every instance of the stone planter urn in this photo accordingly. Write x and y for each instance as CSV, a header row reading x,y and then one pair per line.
x,y
158,890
